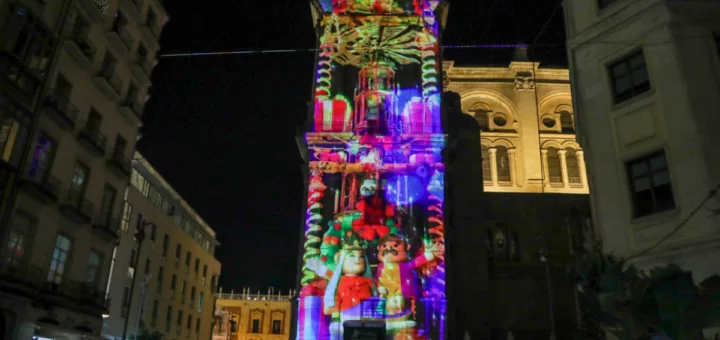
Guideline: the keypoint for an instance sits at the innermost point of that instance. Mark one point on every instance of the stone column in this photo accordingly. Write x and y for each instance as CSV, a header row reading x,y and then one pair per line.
x,y
511,160
546,172
493,165
581,165
563,167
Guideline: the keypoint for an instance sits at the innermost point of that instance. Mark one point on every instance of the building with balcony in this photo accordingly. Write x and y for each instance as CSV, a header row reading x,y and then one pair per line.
x,y
525,173
71,107
252,315
177,272
645,73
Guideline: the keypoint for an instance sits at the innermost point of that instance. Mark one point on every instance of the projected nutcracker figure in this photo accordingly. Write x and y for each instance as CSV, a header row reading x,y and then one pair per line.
x,y
376,172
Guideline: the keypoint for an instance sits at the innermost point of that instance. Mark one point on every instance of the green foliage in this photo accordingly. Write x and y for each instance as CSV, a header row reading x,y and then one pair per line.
x,y
633,305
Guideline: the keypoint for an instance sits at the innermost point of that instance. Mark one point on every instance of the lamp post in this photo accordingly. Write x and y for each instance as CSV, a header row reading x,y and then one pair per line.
x,y
543,259
139,237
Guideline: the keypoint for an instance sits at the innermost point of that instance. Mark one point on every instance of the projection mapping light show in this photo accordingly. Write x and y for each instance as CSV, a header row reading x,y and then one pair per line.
x,y
374,233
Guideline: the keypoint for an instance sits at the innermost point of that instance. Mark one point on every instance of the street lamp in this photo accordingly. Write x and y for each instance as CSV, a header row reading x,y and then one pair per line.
x,y
139,237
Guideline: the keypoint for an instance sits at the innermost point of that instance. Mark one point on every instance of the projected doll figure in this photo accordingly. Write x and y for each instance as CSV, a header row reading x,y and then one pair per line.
x,y
350,284
377,214
396,277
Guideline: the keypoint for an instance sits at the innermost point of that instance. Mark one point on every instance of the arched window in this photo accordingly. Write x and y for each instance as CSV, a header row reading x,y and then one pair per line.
x,y
573,166
481,112
554,168
486,172
566,121
503,164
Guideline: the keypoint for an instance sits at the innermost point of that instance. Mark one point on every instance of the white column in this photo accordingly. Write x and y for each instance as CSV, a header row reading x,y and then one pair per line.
x,y
563,167
581,165
493,165
546,172
511,160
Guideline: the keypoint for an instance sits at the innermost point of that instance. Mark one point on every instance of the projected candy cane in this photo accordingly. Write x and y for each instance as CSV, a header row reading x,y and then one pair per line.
x,y
313,228
428,45
324,73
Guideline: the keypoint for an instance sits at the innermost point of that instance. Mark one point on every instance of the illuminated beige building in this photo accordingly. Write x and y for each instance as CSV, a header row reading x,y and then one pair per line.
x,y
177,271
649,93
74,80
252,315
527,126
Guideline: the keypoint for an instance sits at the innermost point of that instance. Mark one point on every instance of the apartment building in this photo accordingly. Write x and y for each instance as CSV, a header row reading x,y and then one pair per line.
x,y
75,75
175,270
645,73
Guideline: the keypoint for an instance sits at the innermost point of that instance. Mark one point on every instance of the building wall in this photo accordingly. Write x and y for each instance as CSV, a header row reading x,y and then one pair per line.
x,y
526,99
156,288
46,204
243,308
674,115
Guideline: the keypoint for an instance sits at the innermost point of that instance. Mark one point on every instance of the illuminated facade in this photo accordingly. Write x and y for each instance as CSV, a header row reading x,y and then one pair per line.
x,y
526,124
373,246
252,316
82,68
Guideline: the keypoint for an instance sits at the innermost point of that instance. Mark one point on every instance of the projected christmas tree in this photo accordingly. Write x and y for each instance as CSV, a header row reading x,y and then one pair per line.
x,y
374,234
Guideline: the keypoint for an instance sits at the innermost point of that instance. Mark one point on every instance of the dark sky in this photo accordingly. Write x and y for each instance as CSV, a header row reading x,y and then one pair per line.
x,y
221,129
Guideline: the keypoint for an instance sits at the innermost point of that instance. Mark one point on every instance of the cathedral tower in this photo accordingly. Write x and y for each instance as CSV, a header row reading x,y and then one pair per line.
x,y
373,240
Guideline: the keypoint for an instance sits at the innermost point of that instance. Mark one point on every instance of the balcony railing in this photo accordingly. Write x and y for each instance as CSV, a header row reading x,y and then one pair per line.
x,y
86,47
13,72
20,273
135,108
253,297
48,186
95,137
110,226
125,37
119,160
78,204
61,104
113,79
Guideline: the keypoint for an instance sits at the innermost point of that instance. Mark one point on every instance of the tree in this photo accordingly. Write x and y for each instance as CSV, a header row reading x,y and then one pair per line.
x,y
631,304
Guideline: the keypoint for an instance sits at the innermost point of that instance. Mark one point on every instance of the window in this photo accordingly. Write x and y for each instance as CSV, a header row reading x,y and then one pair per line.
x,y
629,77
188,256
197,326
182,292
213,281
573,166
133,254
120,146
277,327
486,172
201,301
503,164
147,266
554,167
107,203
9,133
168,319
650,185
161,275
42,159
78,183
94,121
192,296
108,66
127,213
59,259
197,266
503,244
166,244
566,122
480,112
204,276
178,251
189,323
93,269
604,3
142,51
255,326
33,43
154,315
173,283
125,301
179,320
21,227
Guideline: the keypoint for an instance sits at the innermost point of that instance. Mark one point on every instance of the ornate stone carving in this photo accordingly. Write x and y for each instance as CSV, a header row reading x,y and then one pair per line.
x,y
524,81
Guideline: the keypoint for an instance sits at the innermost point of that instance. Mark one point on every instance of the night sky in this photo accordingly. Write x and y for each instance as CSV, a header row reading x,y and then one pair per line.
x,y
221,129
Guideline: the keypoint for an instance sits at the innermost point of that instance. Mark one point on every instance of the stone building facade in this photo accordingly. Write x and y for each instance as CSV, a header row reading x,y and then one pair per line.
x,y
253,315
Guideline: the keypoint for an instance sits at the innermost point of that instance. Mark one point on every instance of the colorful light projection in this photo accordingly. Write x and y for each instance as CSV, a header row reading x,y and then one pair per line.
x,y
374,237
